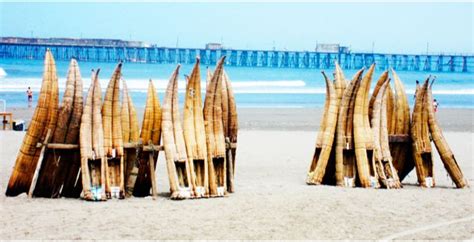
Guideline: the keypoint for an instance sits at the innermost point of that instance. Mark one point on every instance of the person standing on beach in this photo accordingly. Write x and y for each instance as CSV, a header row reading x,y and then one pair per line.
x,y
29,93
435,105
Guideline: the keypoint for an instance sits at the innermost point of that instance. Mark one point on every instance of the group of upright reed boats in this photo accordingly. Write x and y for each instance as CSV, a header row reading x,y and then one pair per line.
x,y
94,148
372,141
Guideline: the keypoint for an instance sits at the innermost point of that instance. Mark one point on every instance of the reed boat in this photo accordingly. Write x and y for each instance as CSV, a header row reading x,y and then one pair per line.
x,y
91,136
208,77
340,82
215,140
130,135
231,127
420,135
177,163
387,174
139,184
363,139
390,105
384,78
40,129
445,153
325,136
195,134
400,147
346,169
113,143
59,169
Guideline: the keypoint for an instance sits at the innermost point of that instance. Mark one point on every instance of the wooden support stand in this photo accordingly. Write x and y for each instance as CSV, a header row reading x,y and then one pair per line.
x,y
349,143
44,146
151,148
147,148
4,120
230,164
399,138
38,165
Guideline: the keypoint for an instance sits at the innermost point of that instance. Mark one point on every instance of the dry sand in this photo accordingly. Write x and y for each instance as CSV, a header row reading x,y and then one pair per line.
x,y
271,201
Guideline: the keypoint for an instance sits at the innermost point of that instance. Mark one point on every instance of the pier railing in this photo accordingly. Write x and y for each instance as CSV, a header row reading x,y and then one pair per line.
x,y
245,58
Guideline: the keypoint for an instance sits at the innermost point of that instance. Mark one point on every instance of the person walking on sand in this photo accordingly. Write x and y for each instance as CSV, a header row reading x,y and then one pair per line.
x,y
29,93
435,105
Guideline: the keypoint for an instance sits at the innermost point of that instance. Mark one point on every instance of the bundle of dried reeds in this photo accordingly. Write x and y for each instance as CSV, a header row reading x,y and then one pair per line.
x,y
345,155
231,127
421,141
447,156
177,163
93,160
215,133
43,120
139,182
387,174
57,164
360,154
326,136
363,139
72,185
399,128
130,134
195,135
113,143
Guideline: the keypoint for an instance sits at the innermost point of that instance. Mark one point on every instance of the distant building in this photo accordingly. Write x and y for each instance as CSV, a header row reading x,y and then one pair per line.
x,y
331,48
214,46
72,41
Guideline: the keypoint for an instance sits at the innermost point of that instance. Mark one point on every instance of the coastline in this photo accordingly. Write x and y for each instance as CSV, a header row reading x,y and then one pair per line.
x,y
301,119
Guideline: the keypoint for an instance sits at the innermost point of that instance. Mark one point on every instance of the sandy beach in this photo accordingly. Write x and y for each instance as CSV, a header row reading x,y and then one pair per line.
x,y
302,119
271,201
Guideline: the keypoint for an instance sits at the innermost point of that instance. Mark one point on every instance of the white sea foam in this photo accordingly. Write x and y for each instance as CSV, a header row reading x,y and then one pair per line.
x,y
2,73
16,84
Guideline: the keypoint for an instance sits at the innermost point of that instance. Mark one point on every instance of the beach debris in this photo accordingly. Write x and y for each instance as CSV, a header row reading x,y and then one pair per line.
x,y
215,138
375,144
43,122
177,162
195,134
93,157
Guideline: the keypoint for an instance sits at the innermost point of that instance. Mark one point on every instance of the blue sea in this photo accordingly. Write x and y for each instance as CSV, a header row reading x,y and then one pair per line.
x,y
254,87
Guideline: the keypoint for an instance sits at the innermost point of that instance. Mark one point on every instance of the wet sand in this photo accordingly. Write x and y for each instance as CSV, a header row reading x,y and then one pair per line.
x,y
303,119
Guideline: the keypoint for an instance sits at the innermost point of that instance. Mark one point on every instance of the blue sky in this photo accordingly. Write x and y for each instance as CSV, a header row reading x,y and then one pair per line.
x,y
387,27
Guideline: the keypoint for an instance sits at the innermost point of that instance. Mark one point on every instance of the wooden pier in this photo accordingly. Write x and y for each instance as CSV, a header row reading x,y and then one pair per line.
x,y
242,58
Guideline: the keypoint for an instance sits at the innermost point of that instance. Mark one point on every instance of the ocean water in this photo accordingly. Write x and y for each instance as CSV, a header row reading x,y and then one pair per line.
x,y
253,87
